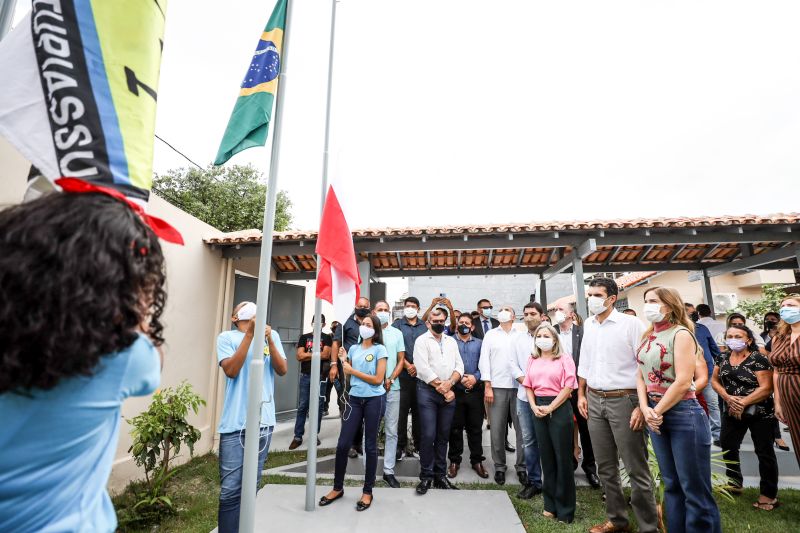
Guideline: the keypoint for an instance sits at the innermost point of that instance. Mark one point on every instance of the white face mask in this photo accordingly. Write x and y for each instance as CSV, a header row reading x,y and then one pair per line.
x,y
487,312
504,316
544,343
560,317
384,316
652,312
596,305
409,312
366,332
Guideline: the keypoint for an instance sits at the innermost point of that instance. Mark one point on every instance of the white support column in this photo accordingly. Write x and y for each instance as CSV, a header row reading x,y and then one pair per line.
x,y
580,290
708,297
364,269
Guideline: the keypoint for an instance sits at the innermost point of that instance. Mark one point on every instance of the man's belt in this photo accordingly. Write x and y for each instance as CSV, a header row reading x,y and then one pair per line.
x,y
617,393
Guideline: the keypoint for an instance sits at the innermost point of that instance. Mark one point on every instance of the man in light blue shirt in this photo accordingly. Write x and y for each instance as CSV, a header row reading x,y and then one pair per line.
x,y
232,352
396,349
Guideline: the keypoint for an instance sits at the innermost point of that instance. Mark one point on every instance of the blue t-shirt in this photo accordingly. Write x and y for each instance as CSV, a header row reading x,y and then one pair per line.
x,y
234,410
57,446
366,360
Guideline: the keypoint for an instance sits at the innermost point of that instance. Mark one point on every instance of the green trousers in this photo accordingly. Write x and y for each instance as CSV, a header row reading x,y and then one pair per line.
x,y
554,436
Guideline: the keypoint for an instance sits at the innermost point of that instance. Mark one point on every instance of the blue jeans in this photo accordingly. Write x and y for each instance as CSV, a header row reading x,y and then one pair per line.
x,y
436,417
531,447
714,415
304,400
390,429
683,450
367,411
231,458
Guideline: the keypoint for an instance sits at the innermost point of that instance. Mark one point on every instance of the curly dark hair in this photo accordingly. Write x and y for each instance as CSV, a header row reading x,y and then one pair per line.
x,y
79,273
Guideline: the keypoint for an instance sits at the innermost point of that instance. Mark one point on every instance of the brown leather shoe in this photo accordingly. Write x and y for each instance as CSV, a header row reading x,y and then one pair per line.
x,y
453,470
608,527
480,470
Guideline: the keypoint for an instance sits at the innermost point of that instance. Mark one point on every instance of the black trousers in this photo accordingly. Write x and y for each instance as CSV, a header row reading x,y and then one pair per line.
x,y
588,463
408,402
469,416
761,431
437,418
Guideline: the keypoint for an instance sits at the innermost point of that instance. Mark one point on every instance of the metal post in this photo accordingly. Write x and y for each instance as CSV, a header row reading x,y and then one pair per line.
x,y
708,296
543,293
7,8
250,474
580,290
313,404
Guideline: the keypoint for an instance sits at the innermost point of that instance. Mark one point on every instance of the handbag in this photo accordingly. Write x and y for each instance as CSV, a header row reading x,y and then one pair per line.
x,y
749,411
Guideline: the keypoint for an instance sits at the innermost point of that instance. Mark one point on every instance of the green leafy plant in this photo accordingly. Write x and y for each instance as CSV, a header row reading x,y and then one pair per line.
x,y
158,435
770,301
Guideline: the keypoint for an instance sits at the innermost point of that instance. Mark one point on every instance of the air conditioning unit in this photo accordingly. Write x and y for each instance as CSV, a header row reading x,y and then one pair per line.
x,y
724,303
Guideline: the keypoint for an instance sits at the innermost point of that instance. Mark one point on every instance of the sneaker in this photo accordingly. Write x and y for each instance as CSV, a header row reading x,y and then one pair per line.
x,y
295,443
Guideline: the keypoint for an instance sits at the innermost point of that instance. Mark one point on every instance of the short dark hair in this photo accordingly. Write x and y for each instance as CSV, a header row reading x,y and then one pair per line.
x,y
687,304
751,338
381,302
412,300
78,274
467,316
703,310
321,317
611,287
533,305
732,316
483,300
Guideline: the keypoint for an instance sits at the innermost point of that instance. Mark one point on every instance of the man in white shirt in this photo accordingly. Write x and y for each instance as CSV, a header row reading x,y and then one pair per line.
x,y
716,327
439,368
607,398
523,347
500,392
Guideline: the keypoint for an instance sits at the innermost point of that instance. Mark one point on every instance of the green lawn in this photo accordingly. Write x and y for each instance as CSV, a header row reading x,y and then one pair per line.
x,y
195,488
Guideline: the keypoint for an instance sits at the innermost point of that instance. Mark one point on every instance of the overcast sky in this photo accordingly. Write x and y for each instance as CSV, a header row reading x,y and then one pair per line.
x,y
450,112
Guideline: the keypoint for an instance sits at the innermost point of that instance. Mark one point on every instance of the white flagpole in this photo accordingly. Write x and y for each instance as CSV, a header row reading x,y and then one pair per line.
x,y
314,393
7,8
250,476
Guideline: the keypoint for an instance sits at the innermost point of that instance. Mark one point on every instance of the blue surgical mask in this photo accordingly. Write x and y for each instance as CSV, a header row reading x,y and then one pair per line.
x,y
384,316
790,315
737,345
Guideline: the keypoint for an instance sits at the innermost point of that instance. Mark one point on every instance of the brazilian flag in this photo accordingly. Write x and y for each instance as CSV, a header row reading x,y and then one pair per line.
x,y
252,113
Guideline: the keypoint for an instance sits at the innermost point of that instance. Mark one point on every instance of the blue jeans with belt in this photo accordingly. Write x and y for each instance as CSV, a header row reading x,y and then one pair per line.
x,y
231,459
436,417
683,450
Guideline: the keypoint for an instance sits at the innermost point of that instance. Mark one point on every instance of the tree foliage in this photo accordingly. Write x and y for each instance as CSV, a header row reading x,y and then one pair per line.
x,y
230,198
771,300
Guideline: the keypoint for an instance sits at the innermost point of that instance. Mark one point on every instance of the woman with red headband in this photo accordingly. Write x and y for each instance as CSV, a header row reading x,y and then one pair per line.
x,y
81,297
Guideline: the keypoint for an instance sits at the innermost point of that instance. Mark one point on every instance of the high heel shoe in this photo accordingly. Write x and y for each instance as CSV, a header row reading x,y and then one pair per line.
x,y
784,447
327,501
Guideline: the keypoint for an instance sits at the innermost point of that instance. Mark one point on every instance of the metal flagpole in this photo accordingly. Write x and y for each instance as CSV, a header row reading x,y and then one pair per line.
x,y
314,393
250,476
6,16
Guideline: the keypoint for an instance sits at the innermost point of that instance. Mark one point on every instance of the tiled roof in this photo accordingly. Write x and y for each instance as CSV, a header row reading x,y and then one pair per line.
x,y
253,236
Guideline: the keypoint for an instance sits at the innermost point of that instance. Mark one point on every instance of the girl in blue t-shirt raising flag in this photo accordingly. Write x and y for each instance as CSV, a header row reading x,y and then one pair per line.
x,y
365,363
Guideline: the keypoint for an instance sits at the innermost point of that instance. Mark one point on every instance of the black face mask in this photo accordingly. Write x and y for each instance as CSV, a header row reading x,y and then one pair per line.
x,y
361,312
769,324
437,328
464,330
694,316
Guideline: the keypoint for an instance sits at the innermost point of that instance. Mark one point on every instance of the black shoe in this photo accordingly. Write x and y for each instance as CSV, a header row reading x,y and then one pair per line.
x,y
443,483
423,486
526,493
593,480
359,450
391,481
398,456
324,412
361,505
295,443
352,454
327,501
319,442
717,444
523,478
510,448
500,478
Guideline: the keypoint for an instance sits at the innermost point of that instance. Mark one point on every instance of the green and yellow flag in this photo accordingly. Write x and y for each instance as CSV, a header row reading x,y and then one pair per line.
x,y
252,113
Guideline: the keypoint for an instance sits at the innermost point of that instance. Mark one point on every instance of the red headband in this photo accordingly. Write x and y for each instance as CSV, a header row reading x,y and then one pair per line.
x,y
160,227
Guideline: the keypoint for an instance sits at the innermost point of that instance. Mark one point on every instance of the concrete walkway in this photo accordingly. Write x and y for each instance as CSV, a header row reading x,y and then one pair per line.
x,y
281,508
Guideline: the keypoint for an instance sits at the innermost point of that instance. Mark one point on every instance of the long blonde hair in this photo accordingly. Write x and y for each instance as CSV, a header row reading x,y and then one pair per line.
x,y
537,353
783,327
677,310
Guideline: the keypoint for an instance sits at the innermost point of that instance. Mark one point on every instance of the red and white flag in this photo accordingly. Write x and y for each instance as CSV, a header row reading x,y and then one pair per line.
x,y
338,280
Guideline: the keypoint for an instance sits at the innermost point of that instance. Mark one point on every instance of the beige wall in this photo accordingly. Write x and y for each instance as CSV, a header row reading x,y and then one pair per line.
x,y
745,286
200,290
